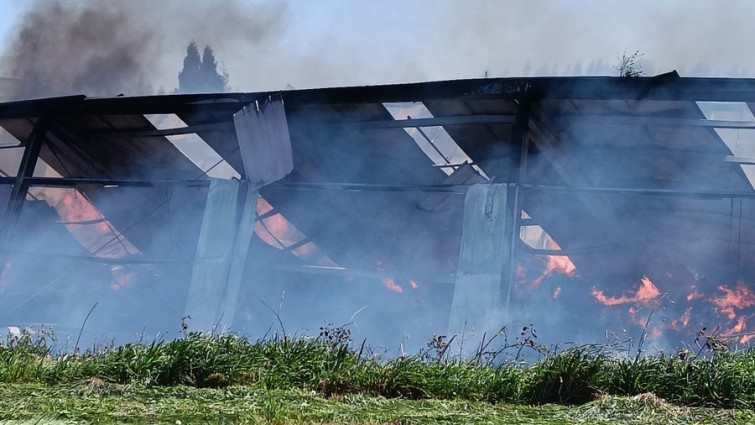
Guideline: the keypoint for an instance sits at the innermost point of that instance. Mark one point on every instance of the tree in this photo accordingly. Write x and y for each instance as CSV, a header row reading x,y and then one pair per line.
x,y
188,78
212,80
200,74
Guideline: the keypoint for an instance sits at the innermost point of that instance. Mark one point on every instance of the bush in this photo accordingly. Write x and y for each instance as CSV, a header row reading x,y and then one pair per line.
x,y
571,377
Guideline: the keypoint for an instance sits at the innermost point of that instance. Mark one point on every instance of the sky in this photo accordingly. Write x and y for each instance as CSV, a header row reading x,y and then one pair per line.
x,y
329,43
10,12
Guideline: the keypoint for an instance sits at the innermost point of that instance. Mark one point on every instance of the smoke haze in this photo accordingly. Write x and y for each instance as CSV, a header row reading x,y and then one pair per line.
x,y
110,48
136,47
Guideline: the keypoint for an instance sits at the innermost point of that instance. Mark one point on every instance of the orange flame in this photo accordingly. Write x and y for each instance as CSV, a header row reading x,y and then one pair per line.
x,y
682,322
686,317
561,264
738,298
555,264
556,293
731,300
122,278
739,328
275,230
644,295
694,295
90,228
75,208
393,286
87,224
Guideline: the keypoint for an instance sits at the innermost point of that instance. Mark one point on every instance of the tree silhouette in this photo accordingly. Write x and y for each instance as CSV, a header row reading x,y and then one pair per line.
x,y
200,75
213,80
188,78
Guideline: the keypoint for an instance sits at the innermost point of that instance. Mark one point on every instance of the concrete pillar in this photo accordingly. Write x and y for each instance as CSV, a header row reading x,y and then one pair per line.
x,y
227,229
228,222
482,274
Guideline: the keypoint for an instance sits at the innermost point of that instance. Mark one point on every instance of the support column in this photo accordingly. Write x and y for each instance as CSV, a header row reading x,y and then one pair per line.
x,y
20,188
481,276
490,235
227,228
517,177
228,223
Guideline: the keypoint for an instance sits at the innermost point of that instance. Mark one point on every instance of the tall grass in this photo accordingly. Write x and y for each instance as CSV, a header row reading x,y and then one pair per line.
x,y
332,367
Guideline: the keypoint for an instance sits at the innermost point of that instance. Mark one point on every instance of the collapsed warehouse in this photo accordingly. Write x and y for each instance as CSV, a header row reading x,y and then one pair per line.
x,y
581,205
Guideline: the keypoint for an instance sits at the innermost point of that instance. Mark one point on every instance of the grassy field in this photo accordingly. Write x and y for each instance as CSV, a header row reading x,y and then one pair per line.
x,y
226,379
85,403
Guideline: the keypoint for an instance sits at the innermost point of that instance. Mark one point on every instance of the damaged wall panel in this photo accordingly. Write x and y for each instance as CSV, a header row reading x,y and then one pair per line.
x,y
264,142
478,293
227,229
228,223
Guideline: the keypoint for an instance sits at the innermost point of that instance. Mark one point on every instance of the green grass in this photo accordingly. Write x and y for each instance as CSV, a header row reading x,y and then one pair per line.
x,y
80,403
216,378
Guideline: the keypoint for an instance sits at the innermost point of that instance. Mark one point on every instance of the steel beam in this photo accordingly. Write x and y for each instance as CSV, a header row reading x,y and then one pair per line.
x,y
366,187
119,134
421,122
650,121
21,186
641,191
78,181
517,175
739,159
346,272
407,123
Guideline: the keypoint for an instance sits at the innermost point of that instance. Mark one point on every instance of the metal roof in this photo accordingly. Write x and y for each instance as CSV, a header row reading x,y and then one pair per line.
x,y
626,174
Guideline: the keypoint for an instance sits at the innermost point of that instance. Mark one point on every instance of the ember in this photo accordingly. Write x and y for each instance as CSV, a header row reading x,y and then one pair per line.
x,y
556,293
393,286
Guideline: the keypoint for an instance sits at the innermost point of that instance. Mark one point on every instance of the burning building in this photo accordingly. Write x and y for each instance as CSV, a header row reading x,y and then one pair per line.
x,y
582,205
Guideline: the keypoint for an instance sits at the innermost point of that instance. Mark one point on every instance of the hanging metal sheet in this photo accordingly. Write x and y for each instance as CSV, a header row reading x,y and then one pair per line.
x,y
264,142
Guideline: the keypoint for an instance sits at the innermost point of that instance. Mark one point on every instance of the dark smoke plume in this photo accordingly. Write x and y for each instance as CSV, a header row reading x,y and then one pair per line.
x,y
133,47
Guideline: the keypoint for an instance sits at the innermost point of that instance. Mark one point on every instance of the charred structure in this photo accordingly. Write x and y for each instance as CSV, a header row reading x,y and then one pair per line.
x,y
579,204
